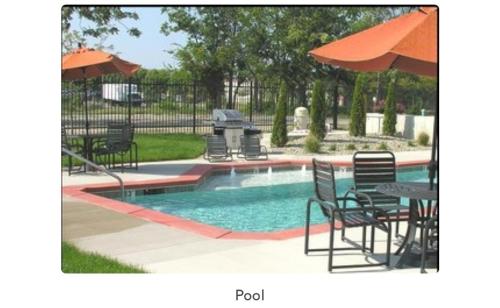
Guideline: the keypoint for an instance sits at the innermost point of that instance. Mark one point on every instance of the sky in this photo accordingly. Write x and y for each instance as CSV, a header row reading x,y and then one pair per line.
x,y
150,49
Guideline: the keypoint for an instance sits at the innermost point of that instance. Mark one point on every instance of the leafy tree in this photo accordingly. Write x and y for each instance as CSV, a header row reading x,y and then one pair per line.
x,y
357,125
389,126
105,21
317,126
213,51
279,134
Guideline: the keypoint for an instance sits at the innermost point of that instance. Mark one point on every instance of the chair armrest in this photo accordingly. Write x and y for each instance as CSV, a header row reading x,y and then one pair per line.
x,y
361,207
333,208
356,193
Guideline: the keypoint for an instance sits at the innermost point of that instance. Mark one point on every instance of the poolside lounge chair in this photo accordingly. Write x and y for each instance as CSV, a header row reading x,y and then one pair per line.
x,y
250,148
72,145
370,169
217,148
358,216
119,140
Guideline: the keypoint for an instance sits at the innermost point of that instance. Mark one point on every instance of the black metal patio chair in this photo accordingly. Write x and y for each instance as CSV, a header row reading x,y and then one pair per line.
x,y
372,168
217,149
250,148
361,215
430,242
119,141
72,145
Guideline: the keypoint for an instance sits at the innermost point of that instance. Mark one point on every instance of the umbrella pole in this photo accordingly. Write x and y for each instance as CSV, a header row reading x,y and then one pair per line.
x,y
86,107
433,163
88,146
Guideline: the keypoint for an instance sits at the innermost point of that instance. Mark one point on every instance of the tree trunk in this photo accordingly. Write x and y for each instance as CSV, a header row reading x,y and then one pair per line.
x,y
236,92
336,101
256,95
302,94
230,96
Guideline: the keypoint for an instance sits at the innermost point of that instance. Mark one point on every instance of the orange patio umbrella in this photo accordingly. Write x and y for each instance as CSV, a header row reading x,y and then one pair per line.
x,y
83,63
407,43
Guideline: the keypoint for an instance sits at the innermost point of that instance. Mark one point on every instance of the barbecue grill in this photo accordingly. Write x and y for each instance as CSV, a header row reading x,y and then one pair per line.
x,y
228,122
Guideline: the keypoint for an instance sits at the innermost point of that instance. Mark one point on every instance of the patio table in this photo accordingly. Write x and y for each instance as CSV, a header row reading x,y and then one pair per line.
x,y
88,143
416,192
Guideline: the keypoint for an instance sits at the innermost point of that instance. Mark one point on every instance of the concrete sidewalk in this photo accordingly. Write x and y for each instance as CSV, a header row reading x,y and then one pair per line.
x,y
159,248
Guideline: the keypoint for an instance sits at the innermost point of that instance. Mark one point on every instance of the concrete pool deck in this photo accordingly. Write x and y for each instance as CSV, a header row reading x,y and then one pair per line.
x,y
159,248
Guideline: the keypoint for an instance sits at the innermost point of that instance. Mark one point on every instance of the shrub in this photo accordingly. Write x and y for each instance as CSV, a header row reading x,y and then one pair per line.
x,y
423,139
383,147
357,126
389,126
333,147
312,144
416,108
411,144
279,134
366,147
317,126
351,147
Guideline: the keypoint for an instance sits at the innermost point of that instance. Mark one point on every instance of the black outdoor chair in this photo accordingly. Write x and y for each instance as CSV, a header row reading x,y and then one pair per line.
x,y
119,140
430,243
372,168
72,145
217,149
250,148
360,215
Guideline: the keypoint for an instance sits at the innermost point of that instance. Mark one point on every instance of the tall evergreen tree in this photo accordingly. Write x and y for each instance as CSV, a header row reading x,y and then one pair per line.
x,y
357,126
318,112
279,134
389,126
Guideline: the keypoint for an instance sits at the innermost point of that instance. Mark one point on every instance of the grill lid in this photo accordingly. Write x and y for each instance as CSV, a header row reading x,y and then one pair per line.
x,y
224,115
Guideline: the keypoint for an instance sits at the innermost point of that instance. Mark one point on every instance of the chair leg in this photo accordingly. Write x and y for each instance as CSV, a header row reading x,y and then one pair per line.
x,y
130,161
397,225
422,224
372,240
122,155
389,234
70,161
136,157
364,239
330,251
308,219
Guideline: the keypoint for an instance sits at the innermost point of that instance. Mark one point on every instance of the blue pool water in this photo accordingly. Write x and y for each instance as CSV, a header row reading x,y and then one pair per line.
x,y
254,202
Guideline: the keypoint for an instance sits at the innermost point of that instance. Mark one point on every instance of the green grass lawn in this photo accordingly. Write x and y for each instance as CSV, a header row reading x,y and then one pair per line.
x,y
77,261
169,147
164,147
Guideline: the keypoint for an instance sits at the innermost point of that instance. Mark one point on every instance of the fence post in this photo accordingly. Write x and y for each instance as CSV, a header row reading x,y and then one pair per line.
x,y
194,107
251,94
129,100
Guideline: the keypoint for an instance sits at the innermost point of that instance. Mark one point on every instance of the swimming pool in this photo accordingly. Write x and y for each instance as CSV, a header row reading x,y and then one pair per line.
x,y
255,200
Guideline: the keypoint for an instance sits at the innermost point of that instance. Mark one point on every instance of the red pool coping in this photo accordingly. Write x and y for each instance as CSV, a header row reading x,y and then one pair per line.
x,y
194,176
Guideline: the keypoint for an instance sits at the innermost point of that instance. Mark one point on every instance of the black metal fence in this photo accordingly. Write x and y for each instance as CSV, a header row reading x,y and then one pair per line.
x,y
167,107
